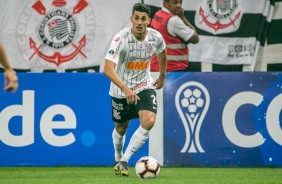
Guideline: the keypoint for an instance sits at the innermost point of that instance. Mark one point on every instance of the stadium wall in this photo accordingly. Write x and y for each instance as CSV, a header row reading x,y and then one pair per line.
x,y
220,119
205,119
58,120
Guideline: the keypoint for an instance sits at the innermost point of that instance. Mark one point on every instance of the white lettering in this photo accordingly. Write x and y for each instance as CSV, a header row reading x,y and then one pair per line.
x,y
47,125
229,117
272,119
26,110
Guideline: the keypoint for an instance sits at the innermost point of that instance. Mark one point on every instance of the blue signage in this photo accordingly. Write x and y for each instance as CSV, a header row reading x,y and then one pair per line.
x,y
223,119
59,119
210,119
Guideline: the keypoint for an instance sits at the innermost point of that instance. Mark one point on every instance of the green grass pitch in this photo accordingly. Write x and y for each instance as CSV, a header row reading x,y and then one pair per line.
x,y
168,175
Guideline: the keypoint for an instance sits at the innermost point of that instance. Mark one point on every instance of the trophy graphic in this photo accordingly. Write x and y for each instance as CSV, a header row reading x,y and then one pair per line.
x,y
192,101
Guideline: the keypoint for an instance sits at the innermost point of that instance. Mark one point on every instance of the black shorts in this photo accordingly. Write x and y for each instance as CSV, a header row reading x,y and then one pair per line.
x,y
122,111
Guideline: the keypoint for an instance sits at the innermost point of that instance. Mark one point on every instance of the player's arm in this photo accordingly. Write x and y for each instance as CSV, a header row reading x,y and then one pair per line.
x,y
162,60
11,79
109,71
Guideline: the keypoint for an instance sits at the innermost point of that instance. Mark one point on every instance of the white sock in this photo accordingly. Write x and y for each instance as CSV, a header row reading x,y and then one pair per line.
x,y
137,140
118,142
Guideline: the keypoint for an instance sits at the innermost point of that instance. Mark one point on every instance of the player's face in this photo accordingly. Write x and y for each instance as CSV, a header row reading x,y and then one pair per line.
x,y
140,21
174,6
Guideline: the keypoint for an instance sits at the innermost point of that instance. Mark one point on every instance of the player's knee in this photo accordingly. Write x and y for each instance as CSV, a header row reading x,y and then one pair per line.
x,y
149,123
121,128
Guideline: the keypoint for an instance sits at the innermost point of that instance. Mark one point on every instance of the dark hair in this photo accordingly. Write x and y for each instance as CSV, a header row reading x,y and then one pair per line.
x,y
141,8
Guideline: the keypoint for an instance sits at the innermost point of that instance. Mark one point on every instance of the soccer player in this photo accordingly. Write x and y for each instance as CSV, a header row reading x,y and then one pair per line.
x,y
127,65
11,79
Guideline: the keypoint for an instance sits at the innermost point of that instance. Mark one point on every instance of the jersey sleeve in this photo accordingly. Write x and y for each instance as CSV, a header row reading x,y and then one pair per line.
x,y
113,53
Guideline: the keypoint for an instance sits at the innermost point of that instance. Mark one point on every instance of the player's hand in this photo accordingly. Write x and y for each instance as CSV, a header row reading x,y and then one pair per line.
x,y
159,83
131,97
11,80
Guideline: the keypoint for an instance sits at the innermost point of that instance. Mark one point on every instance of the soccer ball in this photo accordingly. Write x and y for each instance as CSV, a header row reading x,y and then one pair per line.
x,y
147,167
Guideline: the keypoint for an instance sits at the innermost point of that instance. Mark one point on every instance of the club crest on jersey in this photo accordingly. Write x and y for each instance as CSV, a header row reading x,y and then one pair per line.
x,y
55,31
149,48
219,16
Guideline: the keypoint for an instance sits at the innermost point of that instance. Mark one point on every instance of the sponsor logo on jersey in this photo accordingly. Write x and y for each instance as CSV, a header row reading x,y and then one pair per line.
x,y
137,65
117,50
141,85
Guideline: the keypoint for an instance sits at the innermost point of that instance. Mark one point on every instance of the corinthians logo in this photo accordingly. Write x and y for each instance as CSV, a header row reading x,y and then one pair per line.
x,y
219,16
52,33
57,30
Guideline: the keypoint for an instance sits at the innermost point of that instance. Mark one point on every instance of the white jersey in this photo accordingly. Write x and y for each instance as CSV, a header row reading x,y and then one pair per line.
x,y
133,59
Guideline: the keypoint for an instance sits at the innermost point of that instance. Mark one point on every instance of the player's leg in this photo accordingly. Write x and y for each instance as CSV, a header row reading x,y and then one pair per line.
x,y
147,108
122,113
140,136
118,136
138,139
